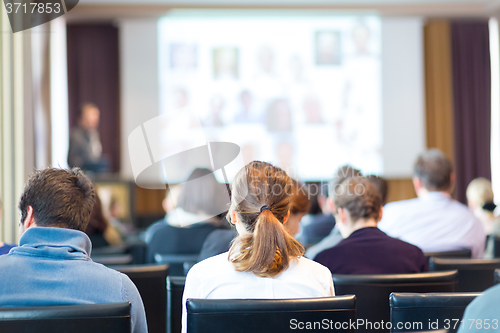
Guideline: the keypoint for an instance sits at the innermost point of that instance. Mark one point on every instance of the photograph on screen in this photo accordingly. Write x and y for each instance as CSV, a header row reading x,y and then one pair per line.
x,y
302,92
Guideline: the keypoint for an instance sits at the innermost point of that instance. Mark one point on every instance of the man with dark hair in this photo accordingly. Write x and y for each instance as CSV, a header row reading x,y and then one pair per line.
x,y
366,249
434,221
85,149
52,265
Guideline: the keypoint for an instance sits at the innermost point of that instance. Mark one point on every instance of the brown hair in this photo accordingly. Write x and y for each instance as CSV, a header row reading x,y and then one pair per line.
x,y
360,197
300,199
59,198
382,186
267,249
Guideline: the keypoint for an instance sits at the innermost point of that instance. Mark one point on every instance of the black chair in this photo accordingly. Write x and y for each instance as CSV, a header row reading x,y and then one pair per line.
x,y
169,240
372,291
474,275
178,262
95,318
441,310
175,289
497,276
270,315
151,282
496,246
109,250
113,259
464,253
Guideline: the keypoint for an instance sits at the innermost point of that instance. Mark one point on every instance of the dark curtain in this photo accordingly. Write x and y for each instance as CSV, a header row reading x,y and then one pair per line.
x,y
472,102
93,76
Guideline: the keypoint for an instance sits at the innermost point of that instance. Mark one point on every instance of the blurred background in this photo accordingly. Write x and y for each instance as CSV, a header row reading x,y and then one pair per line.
x,y
307,85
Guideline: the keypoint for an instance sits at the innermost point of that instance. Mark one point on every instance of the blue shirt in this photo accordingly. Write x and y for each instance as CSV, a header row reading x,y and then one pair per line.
x,y
434,222
483,313
370,251
51,266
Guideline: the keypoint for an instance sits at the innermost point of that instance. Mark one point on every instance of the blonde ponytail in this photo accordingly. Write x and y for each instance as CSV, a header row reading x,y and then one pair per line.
x,y
267,250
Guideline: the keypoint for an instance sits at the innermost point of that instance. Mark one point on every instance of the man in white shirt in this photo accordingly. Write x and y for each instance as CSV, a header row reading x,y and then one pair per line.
x,y
434,221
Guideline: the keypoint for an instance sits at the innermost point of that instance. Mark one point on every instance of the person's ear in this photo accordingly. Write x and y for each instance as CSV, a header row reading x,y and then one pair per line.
x,y
341,213
417,184
380,214
29,221
234,217
331,204
285,219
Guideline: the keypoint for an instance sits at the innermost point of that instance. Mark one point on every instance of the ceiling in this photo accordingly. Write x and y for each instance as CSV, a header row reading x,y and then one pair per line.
x,y
116,9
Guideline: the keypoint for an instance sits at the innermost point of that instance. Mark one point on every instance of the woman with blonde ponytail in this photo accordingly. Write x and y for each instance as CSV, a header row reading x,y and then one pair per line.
x,y
264,261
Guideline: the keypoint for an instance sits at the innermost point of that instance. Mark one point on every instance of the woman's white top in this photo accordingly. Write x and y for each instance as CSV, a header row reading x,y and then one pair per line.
x,y
216,278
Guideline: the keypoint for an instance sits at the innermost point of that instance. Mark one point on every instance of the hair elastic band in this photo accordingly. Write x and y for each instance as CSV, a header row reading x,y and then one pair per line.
x,y
264,207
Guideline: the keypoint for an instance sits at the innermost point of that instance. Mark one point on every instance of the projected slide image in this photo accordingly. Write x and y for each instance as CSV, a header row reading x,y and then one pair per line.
x,y
300,92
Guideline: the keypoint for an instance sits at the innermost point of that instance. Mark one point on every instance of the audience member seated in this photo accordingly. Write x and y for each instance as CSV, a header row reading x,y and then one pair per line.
x,y
219,241
434,221
481,315
52,264
366,249
4,248
480,201
265,261
100,232
314,228
335,236
201,201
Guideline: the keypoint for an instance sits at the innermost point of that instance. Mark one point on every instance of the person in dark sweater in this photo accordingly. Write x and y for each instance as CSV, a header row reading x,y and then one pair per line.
x,y
366,249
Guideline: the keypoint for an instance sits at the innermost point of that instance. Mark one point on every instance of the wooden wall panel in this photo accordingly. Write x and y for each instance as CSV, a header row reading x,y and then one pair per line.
x,y
400,189
439,86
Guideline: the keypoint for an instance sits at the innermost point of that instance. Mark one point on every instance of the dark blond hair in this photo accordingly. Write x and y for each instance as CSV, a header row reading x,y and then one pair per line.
x,y
360,197
267,249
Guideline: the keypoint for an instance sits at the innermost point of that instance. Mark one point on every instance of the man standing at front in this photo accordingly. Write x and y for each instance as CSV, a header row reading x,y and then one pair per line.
x,y
434,221
52,264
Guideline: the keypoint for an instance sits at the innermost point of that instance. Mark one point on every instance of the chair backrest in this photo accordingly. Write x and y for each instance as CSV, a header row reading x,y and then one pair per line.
x,y
175,289
151,281
180,263
372,291
180,241
474,275
270,315
464,253
113,259
95,318
497,276
440,310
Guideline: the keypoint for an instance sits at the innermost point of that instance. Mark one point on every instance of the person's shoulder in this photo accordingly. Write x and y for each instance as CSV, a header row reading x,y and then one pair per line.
x,y
77,131
215,264
484,304
405,246
461,208
326,255
313,266
401,204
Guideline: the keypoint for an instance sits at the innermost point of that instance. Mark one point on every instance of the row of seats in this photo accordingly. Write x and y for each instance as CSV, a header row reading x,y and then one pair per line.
x,y
473,276
214,316
372,292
